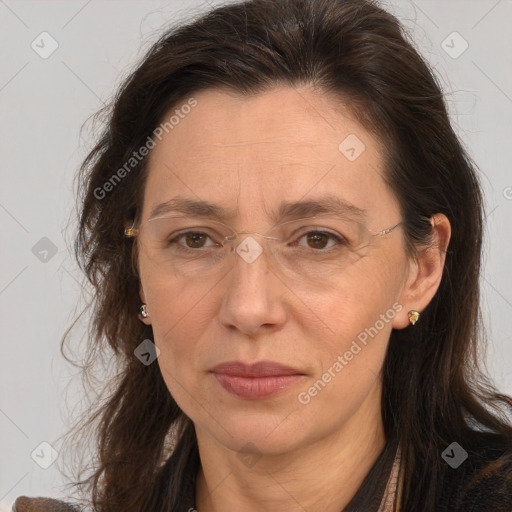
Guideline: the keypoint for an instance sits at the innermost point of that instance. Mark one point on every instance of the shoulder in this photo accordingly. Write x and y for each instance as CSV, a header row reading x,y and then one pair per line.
x,y
24,504
483,482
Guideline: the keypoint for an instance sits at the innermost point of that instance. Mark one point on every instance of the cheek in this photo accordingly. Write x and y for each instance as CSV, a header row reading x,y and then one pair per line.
x,y
174,304
179,315
348,361
357,303
359,319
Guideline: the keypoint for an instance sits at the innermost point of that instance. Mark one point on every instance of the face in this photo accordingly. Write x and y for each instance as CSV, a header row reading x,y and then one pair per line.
x,y
249,155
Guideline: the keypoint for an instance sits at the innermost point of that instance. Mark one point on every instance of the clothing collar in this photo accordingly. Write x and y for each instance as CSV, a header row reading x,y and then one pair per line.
x,y
393,493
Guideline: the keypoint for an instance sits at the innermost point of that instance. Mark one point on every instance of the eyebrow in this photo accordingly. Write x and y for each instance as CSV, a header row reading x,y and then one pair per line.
x,y
328,204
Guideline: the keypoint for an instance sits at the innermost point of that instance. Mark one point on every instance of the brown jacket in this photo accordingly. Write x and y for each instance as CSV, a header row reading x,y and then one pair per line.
x,y
24,504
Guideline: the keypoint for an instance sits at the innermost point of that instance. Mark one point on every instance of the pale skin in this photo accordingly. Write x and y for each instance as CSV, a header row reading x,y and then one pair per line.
x,y
251,153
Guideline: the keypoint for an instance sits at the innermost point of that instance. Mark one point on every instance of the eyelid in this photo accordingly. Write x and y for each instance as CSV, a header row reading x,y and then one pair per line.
x,y
337,237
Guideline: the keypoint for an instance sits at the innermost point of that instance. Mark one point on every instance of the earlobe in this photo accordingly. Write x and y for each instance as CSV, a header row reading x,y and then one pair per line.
x,y
426,273
143,312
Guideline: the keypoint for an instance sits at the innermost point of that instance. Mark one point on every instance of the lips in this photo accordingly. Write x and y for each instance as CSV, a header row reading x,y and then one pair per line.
x,y
255,381
260,369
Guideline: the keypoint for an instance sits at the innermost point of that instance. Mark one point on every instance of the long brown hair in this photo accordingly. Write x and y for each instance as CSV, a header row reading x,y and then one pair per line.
x,y
433,390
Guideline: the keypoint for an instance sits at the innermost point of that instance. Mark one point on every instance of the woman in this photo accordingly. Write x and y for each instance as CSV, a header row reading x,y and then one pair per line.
x,y
284,234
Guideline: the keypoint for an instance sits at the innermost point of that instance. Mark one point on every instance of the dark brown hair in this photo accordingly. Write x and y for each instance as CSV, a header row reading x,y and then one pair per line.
x,y
433,390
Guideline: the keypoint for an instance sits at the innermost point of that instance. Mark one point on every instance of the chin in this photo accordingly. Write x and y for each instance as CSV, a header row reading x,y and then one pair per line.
x,y
264,433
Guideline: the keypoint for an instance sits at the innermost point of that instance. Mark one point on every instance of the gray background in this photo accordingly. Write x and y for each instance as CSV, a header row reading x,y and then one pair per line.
x,y
44,103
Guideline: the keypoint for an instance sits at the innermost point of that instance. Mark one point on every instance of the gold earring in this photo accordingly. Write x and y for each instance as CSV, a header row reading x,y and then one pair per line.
x,y
413,316
142,311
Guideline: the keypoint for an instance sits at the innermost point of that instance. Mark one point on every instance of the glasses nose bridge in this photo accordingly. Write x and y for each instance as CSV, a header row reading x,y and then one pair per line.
x,y
235,236
250,250
257,234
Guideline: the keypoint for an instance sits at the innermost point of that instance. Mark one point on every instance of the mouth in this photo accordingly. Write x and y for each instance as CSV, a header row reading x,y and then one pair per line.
x,y
255,381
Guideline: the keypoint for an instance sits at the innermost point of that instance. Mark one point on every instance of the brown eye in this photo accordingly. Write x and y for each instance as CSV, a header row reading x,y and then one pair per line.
x,y
194,240
190,240
317,240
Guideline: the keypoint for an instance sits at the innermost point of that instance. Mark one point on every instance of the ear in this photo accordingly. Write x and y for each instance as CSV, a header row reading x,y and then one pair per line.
x,y
425,272
142,296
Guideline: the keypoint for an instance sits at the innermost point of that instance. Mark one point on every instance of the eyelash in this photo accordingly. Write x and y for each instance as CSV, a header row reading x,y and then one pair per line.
x,y
337,238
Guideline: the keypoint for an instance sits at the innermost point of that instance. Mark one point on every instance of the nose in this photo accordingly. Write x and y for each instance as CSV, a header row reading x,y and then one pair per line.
x,y
254,292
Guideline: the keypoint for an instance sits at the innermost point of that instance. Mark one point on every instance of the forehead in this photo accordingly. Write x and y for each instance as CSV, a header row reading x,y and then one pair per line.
x,y
249,153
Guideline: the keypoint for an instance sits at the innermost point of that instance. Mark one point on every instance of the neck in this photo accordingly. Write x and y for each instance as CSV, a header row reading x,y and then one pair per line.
x,y
322,475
